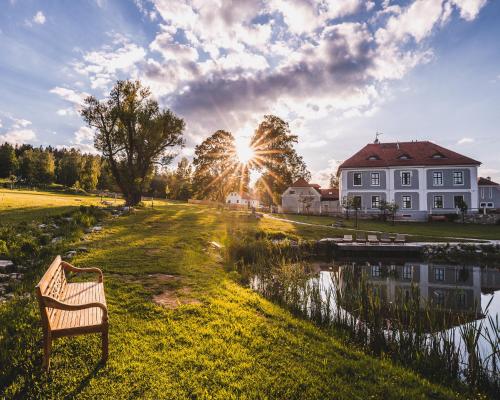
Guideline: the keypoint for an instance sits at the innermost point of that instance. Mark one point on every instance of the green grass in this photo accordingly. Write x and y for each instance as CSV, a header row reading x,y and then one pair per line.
x,y
25,205
232,344
421,230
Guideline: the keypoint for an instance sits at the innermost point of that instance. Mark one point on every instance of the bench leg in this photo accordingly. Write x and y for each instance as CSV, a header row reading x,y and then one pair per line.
x,y
47,347
105,344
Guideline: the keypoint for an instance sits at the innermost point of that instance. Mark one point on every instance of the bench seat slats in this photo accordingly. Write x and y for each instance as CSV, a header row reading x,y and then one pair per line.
x,y
79,293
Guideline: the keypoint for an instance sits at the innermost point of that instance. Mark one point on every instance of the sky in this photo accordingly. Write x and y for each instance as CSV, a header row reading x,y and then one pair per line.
x,y
337,70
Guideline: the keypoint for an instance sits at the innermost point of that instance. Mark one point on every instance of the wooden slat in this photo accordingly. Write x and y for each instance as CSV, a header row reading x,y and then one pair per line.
x,y
80,293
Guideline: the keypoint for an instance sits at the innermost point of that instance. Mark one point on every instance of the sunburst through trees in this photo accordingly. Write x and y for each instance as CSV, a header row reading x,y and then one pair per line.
x,y
223,163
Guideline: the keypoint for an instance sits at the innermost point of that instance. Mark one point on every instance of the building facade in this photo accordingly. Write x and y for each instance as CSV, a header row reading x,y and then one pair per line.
x,y
308,198
242,199
422,178
489,194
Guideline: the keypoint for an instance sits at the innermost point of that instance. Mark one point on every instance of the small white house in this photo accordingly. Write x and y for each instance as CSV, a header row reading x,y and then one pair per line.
x,y
242,199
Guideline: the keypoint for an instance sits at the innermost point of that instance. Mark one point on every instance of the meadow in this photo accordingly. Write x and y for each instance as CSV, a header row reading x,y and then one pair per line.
x,y
183,326
27,205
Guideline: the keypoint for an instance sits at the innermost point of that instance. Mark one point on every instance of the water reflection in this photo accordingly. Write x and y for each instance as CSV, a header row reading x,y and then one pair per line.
x,y
453,289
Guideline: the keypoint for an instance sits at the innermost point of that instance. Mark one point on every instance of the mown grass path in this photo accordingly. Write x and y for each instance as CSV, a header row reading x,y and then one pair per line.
x,y
231,344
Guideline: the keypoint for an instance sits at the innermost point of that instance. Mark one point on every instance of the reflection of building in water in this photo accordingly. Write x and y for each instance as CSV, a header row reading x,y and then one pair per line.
x,y
447,287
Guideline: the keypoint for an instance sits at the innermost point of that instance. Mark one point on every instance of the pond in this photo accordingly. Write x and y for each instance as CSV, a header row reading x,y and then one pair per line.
x,y
412,310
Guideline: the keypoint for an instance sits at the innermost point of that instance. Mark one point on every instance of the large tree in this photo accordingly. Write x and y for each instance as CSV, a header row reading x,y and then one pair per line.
x,y
133,134
217,169
276,158
8,160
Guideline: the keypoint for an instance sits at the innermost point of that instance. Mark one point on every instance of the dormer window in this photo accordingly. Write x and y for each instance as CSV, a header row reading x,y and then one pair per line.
x,y
373,157
404,157
438,155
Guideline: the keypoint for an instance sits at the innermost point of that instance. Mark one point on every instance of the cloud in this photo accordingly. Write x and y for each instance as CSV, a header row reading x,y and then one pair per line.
x,y
39,18
18,136
322,176
19,123
66,112
224,67
83,139
466,140
70,95
102,66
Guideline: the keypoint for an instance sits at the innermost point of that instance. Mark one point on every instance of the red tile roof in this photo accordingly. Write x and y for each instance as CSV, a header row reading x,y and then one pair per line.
x,y
405,154
486,182
301,182
329,194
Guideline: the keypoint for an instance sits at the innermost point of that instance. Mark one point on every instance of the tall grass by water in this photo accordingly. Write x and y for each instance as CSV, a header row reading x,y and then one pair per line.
x,y
414,335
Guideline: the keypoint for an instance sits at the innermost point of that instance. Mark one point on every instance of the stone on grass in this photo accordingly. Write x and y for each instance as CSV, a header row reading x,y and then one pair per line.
x,y
57,240
5,264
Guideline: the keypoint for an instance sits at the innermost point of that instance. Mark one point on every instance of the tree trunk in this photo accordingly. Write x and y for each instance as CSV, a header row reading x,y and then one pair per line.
x,y
133,197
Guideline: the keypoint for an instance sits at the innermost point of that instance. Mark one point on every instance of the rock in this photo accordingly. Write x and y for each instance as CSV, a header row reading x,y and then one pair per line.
x,y
9,296
56,240
68,219
4,277
5,264
2,299
82,249
70,254
42,226
16,276
21,268
55,226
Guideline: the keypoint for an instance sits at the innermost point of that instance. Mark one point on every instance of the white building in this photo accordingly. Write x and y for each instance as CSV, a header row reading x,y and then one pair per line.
x,y
422,178
308,198
242,199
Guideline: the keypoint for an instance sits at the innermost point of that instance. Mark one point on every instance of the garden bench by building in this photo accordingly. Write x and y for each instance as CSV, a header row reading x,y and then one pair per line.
x,y
70,309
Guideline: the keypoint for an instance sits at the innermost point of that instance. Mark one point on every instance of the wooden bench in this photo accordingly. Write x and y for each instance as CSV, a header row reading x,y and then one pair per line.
x,y
70,309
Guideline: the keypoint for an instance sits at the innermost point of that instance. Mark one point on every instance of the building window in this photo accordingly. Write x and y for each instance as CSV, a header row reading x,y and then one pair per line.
x,y
357,179
457,200
461,299
490,205
406,202
439,297
375,179
458,178
438,201
375,201
407,272
439,274
437,178
406,178
237,201
376,271
292,192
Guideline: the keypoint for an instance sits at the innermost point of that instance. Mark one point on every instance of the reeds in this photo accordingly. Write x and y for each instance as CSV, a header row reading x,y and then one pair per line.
x,y
416,335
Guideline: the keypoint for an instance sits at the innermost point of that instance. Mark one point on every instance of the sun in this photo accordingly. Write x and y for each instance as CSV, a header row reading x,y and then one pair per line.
x,y
244,150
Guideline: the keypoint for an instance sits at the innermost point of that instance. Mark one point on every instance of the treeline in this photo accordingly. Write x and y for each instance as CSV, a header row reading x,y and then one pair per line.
x,y
26,165
34,166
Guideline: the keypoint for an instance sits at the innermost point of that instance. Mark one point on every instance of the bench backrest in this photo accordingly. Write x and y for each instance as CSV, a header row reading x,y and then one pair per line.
x,y
52,284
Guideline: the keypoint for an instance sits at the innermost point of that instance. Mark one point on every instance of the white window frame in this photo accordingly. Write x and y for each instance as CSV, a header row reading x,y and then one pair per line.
x,y
434,201
377,202
354,179
409,180
490,205
440,277
375,271
377,175
441,177
407,272
403,202
461,178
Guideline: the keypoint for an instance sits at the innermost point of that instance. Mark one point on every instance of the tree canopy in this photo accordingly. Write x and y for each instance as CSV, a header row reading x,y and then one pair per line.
x,y
133,134
276,158
217,169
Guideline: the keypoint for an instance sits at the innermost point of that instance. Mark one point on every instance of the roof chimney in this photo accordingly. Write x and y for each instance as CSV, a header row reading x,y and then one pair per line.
x,y
489,178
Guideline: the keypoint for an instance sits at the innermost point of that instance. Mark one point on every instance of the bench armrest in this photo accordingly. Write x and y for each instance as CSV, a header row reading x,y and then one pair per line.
x,y
72,268
53,303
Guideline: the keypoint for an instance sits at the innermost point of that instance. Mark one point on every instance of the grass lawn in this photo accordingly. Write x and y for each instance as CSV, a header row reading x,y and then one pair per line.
x,y
421,230
216,340
25,205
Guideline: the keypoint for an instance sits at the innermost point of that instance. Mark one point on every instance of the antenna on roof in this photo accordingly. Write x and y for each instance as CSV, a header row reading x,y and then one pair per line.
x,y
377,134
